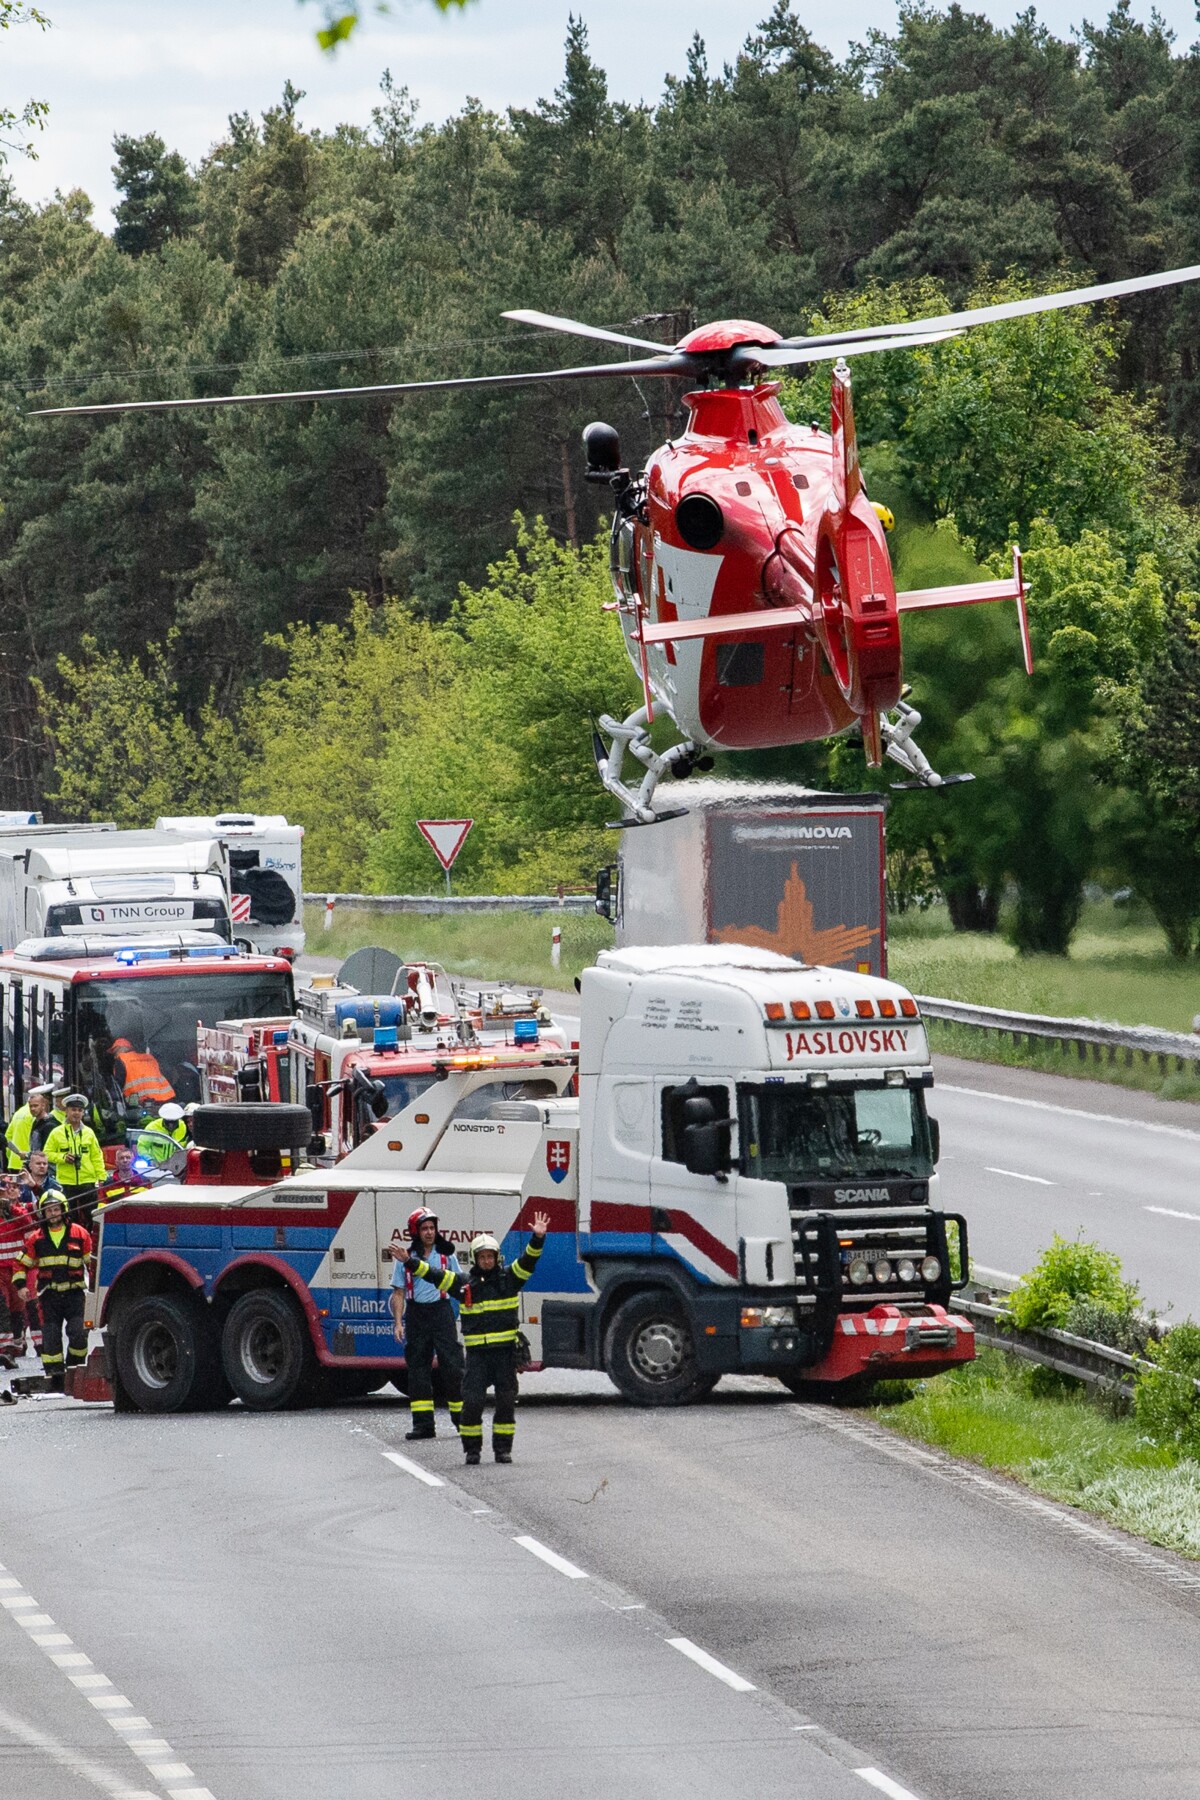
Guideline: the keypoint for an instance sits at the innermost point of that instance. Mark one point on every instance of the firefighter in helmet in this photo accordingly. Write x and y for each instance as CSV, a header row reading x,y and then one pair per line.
x,y
58,1253
425,1322
491,1318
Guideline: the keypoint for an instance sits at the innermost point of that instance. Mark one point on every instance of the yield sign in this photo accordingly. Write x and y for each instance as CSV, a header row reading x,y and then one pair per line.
x,y
445,837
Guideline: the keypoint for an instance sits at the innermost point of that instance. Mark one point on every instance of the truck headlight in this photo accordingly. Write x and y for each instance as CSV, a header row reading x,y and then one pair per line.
x,y
931,1268
859,1271
882,1272
906,1271
755,1316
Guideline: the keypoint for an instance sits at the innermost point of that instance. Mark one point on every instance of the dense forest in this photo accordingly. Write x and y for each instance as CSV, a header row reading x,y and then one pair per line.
x,y
367,611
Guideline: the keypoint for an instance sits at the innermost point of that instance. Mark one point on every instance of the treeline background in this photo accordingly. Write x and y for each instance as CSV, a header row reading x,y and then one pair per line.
x,y
364,612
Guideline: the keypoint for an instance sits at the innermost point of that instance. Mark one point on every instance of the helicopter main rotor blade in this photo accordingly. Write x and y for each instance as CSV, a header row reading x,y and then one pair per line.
x,y
670,363
818,350
1007,309
549,322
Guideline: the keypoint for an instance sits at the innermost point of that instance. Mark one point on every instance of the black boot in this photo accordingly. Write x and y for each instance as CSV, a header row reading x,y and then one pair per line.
x,y
419,1432
472,1457
503,1456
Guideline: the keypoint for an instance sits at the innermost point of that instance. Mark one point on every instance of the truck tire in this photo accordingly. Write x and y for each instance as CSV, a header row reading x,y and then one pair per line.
x,y
267,1352
272,901
253,1125
166,1355
649,1355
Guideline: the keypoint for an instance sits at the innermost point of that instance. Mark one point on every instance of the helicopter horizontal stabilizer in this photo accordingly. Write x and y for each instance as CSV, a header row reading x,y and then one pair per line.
x,y
976,593
763,618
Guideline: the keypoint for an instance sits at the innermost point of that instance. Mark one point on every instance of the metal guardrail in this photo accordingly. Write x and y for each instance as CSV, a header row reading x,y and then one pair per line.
x,y
459,903
1085,1034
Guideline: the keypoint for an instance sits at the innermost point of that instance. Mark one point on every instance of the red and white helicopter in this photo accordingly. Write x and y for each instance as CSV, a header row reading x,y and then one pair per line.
x,y
751,573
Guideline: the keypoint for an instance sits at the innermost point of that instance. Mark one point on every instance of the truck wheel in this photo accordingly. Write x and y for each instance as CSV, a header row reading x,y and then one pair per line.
x,y
649,1355
252,1125
267,1352
166,1355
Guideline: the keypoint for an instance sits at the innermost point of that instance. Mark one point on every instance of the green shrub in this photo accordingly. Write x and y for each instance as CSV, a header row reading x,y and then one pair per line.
x,y
1103,1324
1166,1400
1068,1271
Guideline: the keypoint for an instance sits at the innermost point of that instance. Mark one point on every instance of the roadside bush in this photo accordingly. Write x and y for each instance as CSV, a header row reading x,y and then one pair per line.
x,y
1165,1399
1104,1324
1068,1271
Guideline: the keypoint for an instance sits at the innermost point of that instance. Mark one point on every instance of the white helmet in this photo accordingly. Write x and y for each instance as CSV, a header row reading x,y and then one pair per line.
x,y
172,1112
485,1241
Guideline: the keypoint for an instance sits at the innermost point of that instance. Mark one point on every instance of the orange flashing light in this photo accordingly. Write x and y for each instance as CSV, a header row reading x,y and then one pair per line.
x,y
887,1009
909,1009
864,1009
824,1009
774,1011
801,1009
470,1062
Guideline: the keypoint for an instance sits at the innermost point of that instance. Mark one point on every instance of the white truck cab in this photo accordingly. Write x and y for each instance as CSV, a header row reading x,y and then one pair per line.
x,y
121,885
267,893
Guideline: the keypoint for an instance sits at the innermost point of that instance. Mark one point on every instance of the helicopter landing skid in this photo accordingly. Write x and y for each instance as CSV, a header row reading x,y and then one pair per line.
x,y
633,737
898,743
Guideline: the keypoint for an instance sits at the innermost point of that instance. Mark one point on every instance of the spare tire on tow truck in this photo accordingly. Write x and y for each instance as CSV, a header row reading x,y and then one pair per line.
x,y
251,1125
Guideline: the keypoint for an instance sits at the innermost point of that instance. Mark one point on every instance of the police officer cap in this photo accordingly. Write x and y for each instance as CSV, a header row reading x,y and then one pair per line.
x,y
75,1100
47,1087
172,1112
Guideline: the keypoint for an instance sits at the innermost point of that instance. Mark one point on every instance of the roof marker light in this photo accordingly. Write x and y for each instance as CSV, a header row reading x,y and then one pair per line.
x,y
887,1009
774,1011
824,1009
801,1009
909,1008
864,1009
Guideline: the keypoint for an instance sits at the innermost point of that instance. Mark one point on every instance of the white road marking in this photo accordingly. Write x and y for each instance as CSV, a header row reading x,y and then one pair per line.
x,y
877,1779
738,1683
161,1761
80,1766
1169,1212
1016,1175
412,1468
552,1557
1072,1112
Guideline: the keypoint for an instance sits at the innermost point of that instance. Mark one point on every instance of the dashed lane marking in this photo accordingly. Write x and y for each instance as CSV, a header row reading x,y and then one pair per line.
x,y
413,1469
1169,1212
160,1760
552,1558
738,1683
877,1779
1016,1175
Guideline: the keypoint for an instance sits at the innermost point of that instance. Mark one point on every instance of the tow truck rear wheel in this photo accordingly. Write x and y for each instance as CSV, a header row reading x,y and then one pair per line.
x,y
649,1354
267,1352
166,1354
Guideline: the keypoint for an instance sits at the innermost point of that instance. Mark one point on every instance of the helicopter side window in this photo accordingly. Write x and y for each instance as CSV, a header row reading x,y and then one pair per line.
x,y
740,665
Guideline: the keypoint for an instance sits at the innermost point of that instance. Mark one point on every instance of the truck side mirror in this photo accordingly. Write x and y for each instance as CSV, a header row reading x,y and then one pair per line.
x,y
604,893
705,1139
935,1141
371,1092
315,1102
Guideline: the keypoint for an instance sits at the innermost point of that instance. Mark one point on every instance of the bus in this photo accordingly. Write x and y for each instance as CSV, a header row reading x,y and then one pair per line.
x,y
65,1004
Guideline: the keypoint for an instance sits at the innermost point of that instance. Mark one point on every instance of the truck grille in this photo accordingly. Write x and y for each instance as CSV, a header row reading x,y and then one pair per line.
x,y
823,1247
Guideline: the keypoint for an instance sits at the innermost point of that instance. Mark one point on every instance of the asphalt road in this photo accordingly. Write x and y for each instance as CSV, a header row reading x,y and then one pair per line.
x,y
248,1608
1025,1156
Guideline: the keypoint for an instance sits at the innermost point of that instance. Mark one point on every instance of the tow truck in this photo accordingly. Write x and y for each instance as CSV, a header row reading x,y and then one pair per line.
x,y
745,1182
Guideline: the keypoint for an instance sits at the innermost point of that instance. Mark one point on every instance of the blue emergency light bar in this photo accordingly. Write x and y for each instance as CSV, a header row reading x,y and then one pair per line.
x,y
387,1037
525,1031
131,956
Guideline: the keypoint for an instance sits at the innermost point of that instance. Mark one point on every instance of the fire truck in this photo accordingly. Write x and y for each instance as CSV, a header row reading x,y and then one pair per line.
x,y
745,1182
357,1059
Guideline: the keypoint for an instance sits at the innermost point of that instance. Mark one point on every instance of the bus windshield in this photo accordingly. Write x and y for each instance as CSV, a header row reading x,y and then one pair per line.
x,y
134,1037
797,1134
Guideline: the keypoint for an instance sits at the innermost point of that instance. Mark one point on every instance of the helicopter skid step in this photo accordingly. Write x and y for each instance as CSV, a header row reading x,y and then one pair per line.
x,y
632,737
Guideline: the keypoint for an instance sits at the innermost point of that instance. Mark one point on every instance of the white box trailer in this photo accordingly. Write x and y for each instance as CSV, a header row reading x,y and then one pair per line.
x,y
264,864
776,867
111,884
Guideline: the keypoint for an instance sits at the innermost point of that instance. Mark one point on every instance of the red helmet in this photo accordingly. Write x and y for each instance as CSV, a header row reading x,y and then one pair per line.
x,y
418,1218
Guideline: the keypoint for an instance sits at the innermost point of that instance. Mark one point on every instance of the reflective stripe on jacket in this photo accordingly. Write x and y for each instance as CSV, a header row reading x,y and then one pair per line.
x,y
143,1081
59,1267
160,1140
491,1303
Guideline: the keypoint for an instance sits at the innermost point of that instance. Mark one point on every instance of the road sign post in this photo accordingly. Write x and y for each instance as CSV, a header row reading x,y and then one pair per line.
x,y
445,838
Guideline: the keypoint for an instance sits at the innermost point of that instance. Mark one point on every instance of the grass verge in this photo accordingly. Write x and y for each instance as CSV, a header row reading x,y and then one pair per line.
x,y
509,946
1006,1416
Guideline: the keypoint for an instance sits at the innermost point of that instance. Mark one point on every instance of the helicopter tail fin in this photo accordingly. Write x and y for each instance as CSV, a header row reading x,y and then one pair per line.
x,y
847,476
975,593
